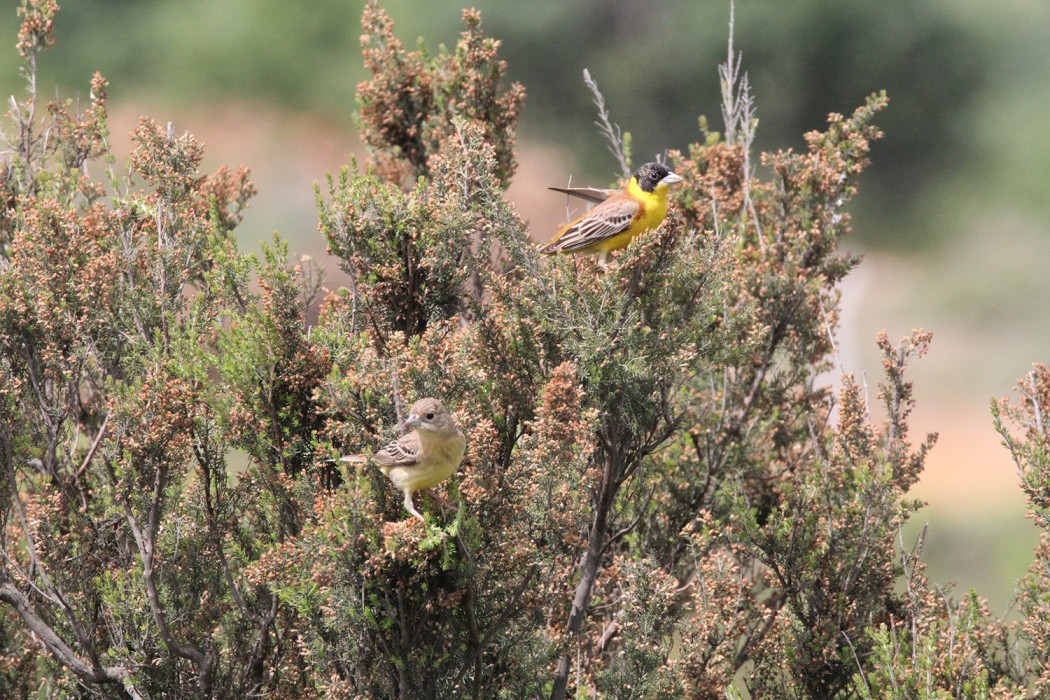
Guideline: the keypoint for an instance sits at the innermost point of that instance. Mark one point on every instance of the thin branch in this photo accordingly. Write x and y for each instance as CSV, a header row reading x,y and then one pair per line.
x,y
94,447
397,397
831,336
209,480
53,644
608,633
145,541
610,131
738,113
775,603
738,108
1036,409
626,529
49,590
588,571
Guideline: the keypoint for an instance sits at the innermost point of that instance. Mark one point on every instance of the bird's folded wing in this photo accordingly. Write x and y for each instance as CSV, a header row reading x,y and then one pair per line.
x,y
591,194
608,219
403,453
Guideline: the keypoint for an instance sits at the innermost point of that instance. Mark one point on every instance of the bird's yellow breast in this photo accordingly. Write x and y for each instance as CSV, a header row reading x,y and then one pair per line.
x,y
652,210
438,461
654,204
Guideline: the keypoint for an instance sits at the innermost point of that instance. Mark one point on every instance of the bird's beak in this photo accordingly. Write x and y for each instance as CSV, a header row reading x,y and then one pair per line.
x,y
671,179
412,422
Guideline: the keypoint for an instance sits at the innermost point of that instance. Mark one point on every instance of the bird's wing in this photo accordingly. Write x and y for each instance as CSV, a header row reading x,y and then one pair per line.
x,y
402,453
591,194
612,217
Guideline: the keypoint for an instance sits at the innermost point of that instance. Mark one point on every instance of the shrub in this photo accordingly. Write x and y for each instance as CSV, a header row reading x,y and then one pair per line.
x,y
660,497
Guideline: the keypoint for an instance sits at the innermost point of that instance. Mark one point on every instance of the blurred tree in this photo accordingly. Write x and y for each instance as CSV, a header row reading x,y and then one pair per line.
x,y
653,64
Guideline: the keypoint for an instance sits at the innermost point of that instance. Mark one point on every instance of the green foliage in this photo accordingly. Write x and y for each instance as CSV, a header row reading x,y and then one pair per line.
x,y
659,496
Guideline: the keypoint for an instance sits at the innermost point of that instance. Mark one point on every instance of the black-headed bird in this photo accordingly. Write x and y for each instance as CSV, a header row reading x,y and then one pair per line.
x,y
617,218
424,457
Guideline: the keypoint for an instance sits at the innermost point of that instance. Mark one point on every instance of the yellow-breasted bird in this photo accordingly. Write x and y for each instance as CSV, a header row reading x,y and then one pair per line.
x,y
617,218
424,457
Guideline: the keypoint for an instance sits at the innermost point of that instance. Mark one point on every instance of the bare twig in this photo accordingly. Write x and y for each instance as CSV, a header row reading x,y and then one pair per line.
x,y
738,109
94,447
611,131
738,113
831,336
397,397
1036,409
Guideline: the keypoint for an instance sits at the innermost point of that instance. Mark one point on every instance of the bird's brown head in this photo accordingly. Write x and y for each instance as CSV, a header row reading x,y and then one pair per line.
x,y
650,175
430,415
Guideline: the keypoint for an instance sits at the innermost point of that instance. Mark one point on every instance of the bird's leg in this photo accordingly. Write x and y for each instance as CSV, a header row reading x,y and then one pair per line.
x,y
603,260
411,507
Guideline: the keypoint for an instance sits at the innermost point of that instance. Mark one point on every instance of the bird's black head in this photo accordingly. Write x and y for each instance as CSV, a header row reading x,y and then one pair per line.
x,y
652,174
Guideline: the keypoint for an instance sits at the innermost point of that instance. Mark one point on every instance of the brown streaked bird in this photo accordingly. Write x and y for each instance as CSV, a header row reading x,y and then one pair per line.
x,y
424,457
618,217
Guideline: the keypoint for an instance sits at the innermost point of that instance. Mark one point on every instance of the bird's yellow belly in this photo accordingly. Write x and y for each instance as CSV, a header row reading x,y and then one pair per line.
x,y
416,478
442,459
615,243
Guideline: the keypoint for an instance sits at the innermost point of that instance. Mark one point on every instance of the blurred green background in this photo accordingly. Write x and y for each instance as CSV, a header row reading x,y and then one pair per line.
x,y
952,216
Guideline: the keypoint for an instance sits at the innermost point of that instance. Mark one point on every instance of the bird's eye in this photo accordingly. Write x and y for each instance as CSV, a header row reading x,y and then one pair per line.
x,y
430,416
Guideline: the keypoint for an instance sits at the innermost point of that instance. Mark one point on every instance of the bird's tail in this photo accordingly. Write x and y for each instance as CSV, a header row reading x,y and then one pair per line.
x,y
353,459
591,194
